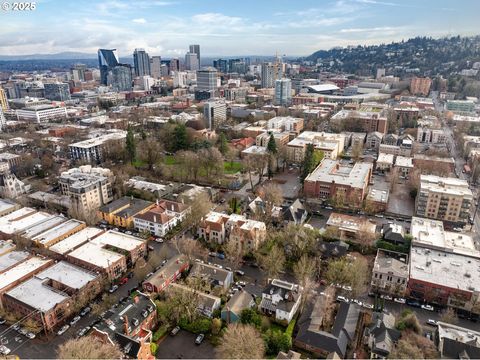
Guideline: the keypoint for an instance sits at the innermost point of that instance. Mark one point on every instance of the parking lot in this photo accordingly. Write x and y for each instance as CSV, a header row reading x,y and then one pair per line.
x,y
182,346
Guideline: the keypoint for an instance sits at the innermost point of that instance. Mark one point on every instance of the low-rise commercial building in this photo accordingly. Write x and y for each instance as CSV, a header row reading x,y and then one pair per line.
x,y
168,274
350,227
435,251
20,220
58,233
367,121
41,113
344,184
51,294
7,207
455,342
72,242
448,199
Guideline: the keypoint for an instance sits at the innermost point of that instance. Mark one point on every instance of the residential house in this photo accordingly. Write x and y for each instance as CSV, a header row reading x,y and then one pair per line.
x,y
374,139
393,233
390,273
213,275
129,325
240,301
312,336
207,303
295,213
161,218
167,274
280,299
381,336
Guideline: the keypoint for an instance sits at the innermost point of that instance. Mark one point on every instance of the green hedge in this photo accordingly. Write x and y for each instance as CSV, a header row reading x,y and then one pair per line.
x,y
157,335
153,348
200,325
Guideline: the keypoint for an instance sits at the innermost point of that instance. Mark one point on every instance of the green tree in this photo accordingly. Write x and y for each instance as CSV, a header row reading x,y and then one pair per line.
x,y
272,153
130,146
276,341
180,137
251,317
272,145
308,163
222,144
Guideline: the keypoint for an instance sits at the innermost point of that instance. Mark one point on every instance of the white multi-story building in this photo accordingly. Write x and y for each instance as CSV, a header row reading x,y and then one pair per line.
x,y
91,150
428,135
283,92
330,144
41,113
207,79
281,299
162,218
3,121
269,73
89,188
215,113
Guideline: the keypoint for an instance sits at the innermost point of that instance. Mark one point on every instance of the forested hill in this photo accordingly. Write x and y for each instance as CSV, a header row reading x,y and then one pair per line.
x,y
428,55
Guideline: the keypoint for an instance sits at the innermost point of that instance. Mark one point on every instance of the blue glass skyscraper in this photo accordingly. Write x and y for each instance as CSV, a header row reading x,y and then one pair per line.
x,y
107,60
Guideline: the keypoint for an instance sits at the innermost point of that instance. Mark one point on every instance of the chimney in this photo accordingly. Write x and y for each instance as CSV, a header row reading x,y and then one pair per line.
x,y
136,299
154,218
125,325
157,202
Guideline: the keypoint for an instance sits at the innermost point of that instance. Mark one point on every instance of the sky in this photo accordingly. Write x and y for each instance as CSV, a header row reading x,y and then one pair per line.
x,y
228,27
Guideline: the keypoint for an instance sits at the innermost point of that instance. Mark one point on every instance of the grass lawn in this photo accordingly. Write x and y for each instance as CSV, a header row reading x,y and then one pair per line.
x,y
232,168
139,163
169,160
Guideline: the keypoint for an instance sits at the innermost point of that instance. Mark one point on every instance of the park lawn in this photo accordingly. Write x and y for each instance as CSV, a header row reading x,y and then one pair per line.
x,y
232,167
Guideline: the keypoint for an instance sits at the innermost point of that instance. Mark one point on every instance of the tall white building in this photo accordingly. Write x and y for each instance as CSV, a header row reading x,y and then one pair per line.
x,y
270,73
92,150
191,61
215,113
283,92
179,79
3,121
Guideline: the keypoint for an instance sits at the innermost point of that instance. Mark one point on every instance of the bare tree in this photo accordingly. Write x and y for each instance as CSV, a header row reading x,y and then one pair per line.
x,y
241,342
273,262
260,163
365,235
189,247
304,271
212,161
272,196
150,151
88,347
347,272
86,213
249,166
200,206
233,253
357,151
449,316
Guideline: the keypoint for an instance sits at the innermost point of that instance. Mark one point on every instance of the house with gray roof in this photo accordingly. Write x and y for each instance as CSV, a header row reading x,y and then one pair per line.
x,y
313,338
233,308
381,336
280,299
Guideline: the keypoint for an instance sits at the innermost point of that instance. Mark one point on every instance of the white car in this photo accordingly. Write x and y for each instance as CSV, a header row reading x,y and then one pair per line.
x,y
4,350
347,288
342,299
358,302
63,329
400,300
30,335
368,306
75,320
159,240
428,307
386,297
432,322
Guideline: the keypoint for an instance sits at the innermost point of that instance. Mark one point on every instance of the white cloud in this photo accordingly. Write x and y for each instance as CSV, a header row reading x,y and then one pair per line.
x,y
139,21
365,30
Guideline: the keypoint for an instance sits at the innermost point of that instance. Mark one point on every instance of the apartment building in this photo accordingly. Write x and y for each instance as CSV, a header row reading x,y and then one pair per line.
x,y
331,145
92,150
122,211
390,273
220,228
366,119
52,294
161,218
420,86
281,138
430,135
454,255
448,199
342,183
41,113
286,123
88,187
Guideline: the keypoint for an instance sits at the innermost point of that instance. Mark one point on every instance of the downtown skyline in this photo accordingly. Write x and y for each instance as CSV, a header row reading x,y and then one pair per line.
x,y
252,28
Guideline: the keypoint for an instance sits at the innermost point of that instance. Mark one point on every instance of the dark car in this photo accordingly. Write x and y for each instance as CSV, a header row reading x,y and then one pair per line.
x,y
414,303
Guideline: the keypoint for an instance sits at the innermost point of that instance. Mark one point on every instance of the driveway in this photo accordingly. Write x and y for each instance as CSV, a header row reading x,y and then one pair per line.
x,y
182,346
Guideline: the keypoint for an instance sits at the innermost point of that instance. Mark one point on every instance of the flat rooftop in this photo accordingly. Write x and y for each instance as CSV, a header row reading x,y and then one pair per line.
x,y
21,270
6,205
118,240
330,171
350,223
12,258
458,333
70,243
404,161
385,158
50,222
58,231
96,255
86,144
85,176
318,139
448,185
430,233
37,295
65,273
21,219
391,265
6,246
378,195
452,270
168,270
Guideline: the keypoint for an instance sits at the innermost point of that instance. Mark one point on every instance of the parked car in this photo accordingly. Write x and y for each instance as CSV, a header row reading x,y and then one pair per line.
x,y
221,256
199,339
22,331
414,303
150,248
368,306
432,322
85,311
128,233
427,307
16,327
159,240
75,320
386,297
2,321
400,300
212,254
123,280
175,331
113,289
239,272
63,329
358,302
228,268
328,208
30,335
83,331
342,299
4,350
